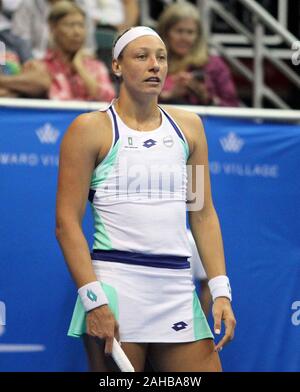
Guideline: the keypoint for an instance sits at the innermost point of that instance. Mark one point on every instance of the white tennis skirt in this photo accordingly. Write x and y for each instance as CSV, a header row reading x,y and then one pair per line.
x,y
151,304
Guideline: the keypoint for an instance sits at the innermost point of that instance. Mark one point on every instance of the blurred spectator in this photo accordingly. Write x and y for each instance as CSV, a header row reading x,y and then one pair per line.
x,y
16,51
195,77
116,14
9,6
30,23
67,72
110,18
156,7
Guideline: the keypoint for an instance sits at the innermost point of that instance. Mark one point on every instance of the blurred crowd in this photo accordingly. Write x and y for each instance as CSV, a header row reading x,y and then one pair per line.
x,y
59,49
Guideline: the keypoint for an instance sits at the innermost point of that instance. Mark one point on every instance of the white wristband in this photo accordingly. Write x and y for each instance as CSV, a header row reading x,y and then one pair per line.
x,y
220,287
92,296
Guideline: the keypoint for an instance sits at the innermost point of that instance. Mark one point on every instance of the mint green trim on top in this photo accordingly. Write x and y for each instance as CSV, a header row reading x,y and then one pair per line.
x,y
78,322
201,327
186,149
101,237
102,171
104,168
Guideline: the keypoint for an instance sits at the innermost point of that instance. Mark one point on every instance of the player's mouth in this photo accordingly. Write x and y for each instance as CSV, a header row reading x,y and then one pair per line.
x,y
153,79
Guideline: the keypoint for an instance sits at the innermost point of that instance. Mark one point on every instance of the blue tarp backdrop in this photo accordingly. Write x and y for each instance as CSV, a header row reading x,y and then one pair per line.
x,y
256,190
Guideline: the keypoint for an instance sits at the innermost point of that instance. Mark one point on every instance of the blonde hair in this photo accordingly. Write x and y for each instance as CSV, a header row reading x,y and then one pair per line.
x,y
173,14
63,8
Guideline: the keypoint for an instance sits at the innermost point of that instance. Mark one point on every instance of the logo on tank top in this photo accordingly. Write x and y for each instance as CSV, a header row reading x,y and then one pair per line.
x,y
168,141
131,145
179,326
149,143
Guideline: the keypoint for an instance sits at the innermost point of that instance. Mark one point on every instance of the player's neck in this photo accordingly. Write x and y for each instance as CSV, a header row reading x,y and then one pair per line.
x,y
137,109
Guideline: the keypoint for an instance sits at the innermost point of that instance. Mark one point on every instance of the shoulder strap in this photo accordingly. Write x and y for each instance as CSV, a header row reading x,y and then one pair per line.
x,y
175,126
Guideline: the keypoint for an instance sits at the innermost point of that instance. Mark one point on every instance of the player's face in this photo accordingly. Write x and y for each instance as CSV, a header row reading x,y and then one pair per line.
x,y
144,66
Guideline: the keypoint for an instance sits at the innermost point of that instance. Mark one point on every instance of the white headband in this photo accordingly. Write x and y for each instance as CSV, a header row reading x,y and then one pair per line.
x,y
130,35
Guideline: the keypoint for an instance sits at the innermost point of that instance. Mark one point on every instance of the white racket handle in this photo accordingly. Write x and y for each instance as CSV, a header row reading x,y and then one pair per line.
x,y
120,358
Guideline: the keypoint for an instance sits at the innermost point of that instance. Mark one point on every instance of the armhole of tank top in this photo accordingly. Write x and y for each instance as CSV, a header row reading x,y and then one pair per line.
x,y
114,138
176,128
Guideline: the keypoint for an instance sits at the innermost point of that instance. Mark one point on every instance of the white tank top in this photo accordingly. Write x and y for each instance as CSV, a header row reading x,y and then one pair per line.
x,y
138,196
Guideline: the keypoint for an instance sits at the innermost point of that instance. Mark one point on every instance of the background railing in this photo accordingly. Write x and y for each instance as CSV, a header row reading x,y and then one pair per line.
x,y
262,114
260,44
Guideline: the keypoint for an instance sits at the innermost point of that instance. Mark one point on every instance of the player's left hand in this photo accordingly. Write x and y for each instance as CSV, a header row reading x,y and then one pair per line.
x,y
222,311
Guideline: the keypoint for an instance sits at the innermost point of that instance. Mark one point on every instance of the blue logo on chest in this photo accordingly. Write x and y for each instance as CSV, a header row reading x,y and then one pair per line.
x,y
149,143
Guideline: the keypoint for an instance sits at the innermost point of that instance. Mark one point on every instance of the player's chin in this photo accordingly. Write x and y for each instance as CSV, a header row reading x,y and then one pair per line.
x,y
152,89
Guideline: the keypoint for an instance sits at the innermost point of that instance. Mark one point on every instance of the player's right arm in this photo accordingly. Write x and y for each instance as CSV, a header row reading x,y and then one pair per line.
x,y
81,150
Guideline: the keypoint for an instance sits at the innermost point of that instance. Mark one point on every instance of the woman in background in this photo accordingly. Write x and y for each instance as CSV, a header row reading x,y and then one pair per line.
x,y
74,74
67,72
194,77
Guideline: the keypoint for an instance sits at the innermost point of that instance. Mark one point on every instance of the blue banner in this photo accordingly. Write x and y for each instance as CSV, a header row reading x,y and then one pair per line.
x,y
256,190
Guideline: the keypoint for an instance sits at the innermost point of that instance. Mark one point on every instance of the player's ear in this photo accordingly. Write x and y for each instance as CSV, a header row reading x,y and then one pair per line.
x,y
117,68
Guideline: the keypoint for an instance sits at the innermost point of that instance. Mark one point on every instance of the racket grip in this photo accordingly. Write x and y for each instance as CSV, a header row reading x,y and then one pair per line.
x,y
121,358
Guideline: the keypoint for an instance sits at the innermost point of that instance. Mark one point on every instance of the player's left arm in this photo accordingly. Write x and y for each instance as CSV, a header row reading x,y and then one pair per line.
x,y
204,221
